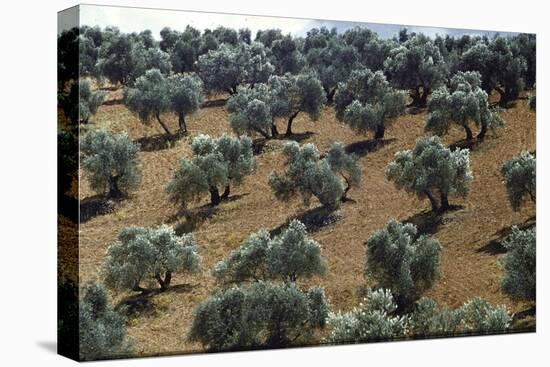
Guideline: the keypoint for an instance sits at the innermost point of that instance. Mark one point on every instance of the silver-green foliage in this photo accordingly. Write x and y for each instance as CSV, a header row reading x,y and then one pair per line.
x,y
292,94
260,315
431,168
102,330
147,255
154,94
475,316
287,256
520,178
367,102
374,319
520,264
417,65
81,102
401,260
110,162
250,111
224,69
308,175
461,103
216,163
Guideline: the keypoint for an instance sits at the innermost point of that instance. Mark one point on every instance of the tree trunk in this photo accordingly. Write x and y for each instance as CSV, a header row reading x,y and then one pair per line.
x,y
162,124
274,131
379,132
348,187
444,203
330,95
262,133
482,132
181,121
114,191
164,283
214,196
415,95
469,135
424,98
433,202
289,125
226,192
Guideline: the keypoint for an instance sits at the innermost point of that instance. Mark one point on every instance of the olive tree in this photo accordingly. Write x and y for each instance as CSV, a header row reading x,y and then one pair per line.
x,y
102,330
292,94
263,314
148,255
501,69
417,65
154,94
81,102
520,178
400,259
333,64
520,261
110,162
227,67
308,175
367,102
215,163
185,95
372,50
250,112
431,169
287,256
375,319
286,56
474,316
461,103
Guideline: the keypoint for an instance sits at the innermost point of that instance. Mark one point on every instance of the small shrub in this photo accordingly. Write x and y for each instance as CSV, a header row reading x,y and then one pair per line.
x,y
520,262
520,178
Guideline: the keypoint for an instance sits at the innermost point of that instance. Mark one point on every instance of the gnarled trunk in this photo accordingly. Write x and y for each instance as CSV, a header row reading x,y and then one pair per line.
x,y
330,94
289,125
157,115
482,132
444,203
433,202
181,122
164,283
469,135
114,191
226,192
274,131
379,132
214,196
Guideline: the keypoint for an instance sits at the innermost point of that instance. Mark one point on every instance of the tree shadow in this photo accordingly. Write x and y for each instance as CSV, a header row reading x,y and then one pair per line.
x,y
414,110
95,205
113,102
314,219
48,345
159,141
525,320
214,103
495,246
428,222
193,218
361,148
297,137
142,304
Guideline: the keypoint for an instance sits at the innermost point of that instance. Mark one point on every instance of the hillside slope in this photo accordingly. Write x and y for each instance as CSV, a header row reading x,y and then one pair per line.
x,y
469,235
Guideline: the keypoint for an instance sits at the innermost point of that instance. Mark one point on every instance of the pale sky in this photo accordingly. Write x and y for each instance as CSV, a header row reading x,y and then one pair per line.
x,y
138,19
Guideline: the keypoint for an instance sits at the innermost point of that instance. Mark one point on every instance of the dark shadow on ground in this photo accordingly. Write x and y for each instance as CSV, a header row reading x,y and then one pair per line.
x,y
361,148
413,110
142,304
428,222
94,206
214,103
159,142
297,137
314,219
111,89
495,247
194,217
112,102
525,320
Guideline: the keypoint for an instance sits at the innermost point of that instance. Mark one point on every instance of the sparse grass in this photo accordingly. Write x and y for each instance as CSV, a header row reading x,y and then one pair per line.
x,y
465,271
